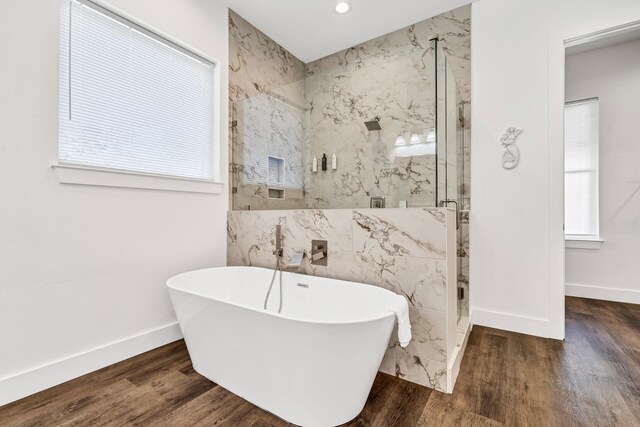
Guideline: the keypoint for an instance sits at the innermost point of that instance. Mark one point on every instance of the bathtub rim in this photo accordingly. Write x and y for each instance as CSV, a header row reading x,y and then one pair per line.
x,y
295,319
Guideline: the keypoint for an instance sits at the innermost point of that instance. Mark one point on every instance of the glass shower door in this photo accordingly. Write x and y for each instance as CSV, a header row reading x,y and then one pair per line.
x,y
450,148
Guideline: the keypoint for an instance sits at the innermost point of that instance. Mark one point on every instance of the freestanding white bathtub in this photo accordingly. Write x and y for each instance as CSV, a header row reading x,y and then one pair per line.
x,y
312,365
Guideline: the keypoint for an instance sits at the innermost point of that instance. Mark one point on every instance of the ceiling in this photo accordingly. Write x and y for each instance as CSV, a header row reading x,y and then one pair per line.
x,y
312,29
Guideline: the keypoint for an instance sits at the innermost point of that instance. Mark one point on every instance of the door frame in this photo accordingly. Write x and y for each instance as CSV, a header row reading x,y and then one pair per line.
x,y
558,42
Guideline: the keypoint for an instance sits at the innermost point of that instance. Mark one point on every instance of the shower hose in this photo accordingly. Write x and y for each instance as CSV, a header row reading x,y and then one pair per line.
x,y
266,298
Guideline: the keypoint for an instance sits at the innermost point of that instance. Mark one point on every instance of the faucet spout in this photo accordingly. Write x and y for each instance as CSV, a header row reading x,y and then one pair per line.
x,y
296,260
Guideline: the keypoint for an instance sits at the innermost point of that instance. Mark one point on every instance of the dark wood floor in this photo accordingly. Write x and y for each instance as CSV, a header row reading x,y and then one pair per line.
x,y
591,379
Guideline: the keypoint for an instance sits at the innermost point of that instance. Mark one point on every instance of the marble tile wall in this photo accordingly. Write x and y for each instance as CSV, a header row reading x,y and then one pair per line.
x,y
266,86
403,250
392,76
257,63
266,126
453,29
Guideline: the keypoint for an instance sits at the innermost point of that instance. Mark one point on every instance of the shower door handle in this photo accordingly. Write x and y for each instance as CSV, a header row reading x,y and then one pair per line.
x,y
444,203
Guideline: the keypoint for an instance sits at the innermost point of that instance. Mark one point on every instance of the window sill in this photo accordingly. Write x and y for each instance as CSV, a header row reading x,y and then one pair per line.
x,y
111,178
594,244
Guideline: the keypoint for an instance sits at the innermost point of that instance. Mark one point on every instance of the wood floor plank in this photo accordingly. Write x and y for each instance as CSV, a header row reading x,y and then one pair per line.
x,y
110,408
590,379
383,387
403,407
443,410
68,392
199,411
82,404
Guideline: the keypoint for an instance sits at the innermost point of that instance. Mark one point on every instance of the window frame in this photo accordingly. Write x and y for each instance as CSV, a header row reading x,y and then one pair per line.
x,y
73,173
584,241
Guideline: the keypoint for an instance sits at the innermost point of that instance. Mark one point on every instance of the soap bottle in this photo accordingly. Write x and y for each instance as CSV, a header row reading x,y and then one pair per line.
x,y
324,162
334,161
314,164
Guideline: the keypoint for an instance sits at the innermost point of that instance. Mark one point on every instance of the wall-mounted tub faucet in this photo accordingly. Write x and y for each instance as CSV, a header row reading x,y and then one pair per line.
x,y
296,260
294,263
278,251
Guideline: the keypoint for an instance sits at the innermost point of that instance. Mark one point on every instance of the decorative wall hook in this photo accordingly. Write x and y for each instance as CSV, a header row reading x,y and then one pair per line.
x,y
511,156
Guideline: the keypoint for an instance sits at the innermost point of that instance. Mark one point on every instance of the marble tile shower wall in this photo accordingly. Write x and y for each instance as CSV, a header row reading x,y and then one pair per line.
x,y
393,77
257,63
265,127
398,86
266,85
403,250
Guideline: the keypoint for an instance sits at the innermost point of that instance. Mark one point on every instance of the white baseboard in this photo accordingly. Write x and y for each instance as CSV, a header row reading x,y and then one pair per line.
x,y
513,322
57,372
602,293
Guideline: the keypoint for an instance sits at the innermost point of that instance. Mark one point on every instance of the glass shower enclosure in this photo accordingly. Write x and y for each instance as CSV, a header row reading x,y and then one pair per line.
x,y
305,145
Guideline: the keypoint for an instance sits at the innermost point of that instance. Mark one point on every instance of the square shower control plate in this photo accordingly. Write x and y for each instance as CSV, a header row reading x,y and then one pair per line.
x,y
319,252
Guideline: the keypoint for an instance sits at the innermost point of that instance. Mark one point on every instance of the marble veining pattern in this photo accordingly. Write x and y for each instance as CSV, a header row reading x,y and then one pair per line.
x,y
384,231
257,63
392,76
393,86
285,132
266,85
413,264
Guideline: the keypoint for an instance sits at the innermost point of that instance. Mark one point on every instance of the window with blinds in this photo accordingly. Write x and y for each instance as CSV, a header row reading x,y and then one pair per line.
x,y
131,100
581,170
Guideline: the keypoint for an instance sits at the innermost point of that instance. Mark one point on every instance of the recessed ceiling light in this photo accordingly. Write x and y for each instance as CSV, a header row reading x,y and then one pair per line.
x,y
343,7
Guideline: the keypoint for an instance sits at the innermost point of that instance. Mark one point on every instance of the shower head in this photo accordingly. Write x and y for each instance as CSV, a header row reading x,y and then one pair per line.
x,y
373,124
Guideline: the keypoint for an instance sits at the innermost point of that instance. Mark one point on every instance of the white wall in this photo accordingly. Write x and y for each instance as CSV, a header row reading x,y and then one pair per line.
x,y
517,245
84,267
613,75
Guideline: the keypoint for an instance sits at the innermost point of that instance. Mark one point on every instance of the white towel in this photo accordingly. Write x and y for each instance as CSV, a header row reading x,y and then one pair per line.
x,y
401,310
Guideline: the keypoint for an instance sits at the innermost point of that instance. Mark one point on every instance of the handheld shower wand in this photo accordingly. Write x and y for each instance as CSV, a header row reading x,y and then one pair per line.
x,y
278,253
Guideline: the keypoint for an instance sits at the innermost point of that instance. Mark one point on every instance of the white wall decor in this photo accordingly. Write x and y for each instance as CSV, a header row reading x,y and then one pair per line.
x,y
511,156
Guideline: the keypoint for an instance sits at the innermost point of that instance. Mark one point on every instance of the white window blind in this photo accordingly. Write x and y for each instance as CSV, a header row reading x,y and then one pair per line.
x,y
131,100
581,170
